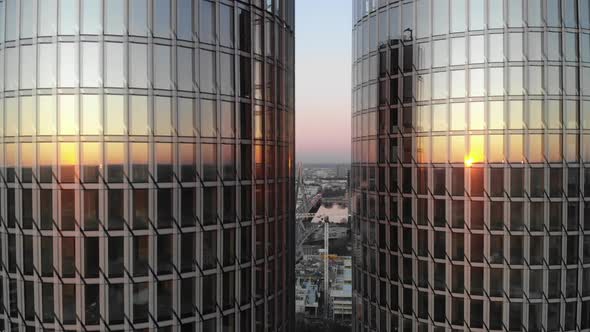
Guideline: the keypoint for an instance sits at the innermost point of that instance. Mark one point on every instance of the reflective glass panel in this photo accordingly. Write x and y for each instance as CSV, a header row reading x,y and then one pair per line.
x,y
91,17
90,65
138,17
476,14
162,65
114,20
114,65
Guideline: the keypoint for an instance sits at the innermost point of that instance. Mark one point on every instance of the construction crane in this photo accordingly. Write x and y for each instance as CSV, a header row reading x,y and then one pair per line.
x,y
325,221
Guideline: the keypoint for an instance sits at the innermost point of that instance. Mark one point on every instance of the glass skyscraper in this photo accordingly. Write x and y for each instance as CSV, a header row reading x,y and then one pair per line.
x,y
471,165
146,151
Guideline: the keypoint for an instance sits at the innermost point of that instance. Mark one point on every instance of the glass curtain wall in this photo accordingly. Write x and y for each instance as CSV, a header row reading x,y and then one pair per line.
x,y
146,151
470,175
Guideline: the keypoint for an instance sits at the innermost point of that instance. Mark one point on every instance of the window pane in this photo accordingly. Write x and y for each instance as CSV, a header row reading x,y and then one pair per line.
x,y
554,46
440,47
27,22
440,85
91,116
440,23
162,67
496,81
534,13
162,18
90,65
114,65
476,14
138,67
138,114
47,74
535,114
185,117
27,67
458,54
138,17
476,116
516,81
185,68
553,13
184,17
67,65
227,74
458,83
440,113
477,82
476,52
208,119
226,24
162,115
68,17
207,71
114,20
496,115
47,115
535,47
515,47
207,22
91,17
48,21
535,80
515,13
496,15
516,114
458,116
114,108
11,109
458,21
571,47
27,120
11,72
68,119
496,47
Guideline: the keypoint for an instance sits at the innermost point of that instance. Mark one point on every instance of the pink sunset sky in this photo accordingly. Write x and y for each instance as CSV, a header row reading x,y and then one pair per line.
x,y
323,55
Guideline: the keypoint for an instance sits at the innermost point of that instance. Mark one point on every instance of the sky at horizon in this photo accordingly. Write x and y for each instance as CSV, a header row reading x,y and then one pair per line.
x,y
322,80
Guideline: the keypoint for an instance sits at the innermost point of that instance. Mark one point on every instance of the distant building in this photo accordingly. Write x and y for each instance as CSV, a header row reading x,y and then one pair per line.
x,y
306,297
342,171
341,289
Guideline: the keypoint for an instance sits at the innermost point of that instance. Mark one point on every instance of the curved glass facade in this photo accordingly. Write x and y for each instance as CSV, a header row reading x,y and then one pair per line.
x,y
471,174
146,160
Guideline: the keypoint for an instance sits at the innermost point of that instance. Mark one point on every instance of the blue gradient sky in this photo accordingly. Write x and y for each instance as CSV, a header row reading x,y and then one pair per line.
x,y
323,55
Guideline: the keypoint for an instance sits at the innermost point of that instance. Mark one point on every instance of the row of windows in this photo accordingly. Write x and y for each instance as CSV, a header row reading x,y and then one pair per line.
x,y
534,81
459,51
458,16
57,67
473,246
548,217
88,250
94,209
197,162
410,314
517,182
469,279
551,115
48,115
63,19
474,149
192,302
